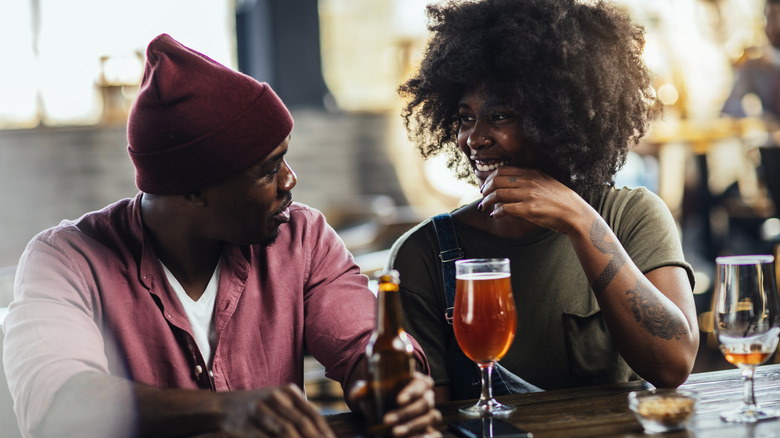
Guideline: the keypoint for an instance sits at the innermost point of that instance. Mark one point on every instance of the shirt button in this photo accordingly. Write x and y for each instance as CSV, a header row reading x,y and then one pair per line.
x,y
198,370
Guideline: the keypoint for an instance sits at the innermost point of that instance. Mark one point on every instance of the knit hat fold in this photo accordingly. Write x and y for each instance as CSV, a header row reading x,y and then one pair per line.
x,y
196,122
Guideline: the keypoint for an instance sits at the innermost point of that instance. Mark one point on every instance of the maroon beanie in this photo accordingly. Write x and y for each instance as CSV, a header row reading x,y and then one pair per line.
x,y
196,122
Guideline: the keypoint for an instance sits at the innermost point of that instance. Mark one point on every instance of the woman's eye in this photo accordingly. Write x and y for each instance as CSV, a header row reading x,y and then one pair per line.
x,y
466,118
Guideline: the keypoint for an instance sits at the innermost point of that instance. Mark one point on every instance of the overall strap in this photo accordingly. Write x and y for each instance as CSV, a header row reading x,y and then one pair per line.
x,y
449,251
464,374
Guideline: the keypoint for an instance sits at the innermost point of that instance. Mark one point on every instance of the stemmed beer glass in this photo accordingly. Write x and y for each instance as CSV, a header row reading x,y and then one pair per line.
x,y
746,313
484,321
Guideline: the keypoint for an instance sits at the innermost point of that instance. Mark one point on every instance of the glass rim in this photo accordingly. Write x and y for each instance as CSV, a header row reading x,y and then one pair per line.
x,y
482,260
664,391
750,259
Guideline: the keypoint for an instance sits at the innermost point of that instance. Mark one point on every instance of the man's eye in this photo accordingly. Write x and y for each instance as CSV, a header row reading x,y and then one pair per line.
x,y
274,171
498,117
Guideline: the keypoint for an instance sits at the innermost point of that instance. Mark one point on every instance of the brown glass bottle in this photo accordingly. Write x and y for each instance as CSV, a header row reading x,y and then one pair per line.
x,y
389,352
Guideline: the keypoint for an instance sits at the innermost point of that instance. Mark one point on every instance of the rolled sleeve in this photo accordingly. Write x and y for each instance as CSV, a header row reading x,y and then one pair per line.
x,y
340,308
50,334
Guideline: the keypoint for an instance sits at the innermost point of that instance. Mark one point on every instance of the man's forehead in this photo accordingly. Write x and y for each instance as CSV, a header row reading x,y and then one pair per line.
x,y
277,153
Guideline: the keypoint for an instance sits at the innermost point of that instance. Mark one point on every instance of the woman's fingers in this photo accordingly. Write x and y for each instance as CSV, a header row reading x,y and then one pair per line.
x,y
505,176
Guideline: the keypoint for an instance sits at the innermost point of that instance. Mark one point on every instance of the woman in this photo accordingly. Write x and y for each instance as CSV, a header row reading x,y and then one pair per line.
x,y
538,102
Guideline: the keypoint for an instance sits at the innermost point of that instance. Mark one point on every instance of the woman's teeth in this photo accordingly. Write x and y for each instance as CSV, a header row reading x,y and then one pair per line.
x,y
486,167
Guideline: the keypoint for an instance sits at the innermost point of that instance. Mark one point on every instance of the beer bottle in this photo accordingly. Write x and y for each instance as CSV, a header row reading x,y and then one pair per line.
x,y
389,351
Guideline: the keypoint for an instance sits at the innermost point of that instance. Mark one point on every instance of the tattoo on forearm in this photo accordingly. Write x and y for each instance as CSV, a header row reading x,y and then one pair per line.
x,y
598,238
650,312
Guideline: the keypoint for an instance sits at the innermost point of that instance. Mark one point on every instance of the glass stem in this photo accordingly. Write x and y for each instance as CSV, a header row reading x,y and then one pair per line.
x,y
486,370
748,397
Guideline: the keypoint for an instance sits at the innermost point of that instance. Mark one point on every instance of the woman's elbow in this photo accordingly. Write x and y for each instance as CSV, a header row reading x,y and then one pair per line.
x,y
673,370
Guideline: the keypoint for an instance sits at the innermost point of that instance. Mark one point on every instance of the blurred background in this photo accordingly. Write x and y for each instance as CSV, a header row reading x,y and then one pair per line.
x,y
69,72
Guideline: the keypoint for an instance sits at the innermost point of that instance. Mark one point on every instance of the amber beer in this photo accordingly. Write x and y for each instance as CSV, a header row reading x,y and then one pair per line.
x,y
749,352
389,351
739,359
484,317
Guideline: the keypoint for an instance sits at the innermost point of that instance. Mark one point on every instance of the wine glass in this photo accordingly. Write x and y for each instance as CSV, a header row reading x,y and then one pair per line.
x,y
484,321
746,312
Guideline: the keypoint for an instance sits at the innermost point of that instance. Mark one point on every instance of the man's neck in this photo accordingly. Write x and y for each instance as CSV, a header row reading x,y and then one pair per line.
x,y
189,257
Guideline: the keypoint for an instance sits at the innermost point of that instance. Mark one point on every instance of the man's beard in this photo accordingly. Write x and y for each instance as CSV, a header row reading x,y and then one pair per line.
x,y
270,240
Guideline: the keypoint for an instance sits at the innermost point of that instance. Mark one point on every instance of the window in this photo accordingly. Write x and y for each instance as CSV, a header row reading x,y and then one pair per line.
x,y
63,60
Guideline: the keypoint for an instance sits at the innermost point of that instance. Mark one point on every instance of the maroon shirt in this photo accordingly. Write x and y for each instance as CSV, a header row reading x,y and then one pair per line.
x,y
91,295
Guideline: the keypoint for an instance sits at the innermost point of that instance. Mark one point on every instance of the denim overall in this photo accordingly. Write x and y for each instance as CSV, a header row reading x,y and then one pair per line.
x,y
463,372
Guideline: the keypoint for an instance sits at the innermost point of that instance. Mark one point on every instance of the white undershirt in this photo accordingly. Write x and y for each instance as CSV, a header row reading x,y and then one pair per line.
x,y
200,312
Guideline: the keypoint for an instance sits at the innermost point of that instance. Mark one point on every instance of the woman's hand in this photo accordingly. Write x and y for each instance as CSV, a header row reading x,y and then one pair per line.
x,y
534,196
650,315
416,414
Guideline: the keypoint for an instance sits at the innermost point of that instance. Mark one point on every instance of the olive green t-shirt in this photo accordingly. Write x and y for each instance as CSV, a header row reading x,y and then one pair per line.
x,y
562,339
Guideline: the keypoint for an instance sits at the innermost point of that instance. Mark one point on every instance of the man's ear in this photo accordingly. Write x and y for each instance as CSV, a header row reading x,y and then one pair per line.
x,y
196,198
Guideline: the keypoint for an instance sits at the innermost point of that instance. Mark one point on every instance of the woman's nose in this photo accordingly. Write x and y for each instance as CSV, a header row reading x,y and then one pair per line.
x,y
479,136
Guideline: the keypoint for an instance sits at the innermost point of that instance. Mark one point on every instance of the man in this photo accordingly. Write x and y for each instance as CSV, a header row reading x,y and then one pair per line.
x,y
760,76
187,310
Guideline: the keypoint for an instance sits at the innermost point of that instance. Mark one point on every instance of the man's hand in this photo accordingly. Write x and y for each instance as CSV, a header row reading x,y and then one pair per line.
x,y
274,411
416,414
97,405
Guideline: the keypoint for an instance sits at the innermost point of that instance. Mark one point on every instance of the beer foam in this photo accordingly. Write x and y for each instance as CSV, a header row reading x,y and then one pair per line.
x,y
482,276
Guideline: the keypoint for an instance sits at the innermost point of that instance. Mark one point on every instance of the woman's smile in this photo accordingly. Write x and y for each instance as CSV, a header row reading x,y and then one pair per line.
x,y
488,166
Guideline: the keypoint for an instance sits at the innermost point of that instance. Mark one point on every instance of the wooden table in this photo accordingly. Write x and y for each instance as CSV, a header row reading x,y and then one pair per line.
x,y
602,411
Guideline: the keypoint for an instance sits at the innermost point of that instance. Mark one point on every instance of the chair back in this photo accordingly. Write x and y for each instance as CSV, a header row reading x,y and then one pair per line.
x,y
770,161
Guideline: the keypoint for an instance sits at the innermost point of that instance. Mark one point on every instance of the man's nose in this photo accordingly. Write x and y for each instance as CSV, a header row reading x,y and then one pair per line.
x,y
287,177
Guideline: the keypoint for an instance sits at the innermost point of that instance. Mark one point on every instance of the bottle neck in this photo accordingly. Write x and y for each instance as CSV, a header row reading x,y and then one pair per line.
x,y
388,315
